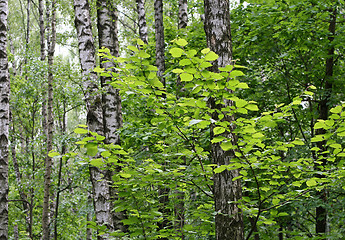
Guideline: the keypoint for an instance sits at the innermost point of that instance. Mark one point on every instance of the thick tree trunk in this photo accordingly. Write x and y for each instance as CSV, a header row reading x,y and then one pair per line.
x,y
111,100
93,100
229,219
4,121
182,14
321,212
51,41
142,20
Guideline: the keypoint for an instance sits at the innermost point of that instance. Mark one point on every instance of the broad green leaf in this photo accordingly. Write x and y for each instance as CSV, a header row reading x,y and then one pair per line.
x,y
298,142
181,42
240,103
236,73
205,51
220,169
336,109
80,131
186,77
218,130
176,52
311,182
252,107
320,124
91,149
227,68
335,145
125,175
242,85
211,56
177,70
226,146
106,154
185,62
132,48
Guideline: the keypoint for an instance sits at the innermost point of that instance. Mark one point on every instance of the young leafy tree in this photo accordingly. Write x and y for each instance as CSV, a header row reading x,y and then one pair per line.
x,y
227,191
4,121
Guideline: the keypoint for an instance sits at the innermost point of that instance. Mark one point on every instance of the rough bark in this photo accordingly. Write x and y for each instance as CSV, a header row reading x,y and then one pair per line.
x,y
321,212
159,33
142,21
182,14
229,219
111,100
51,42
93,100
4,121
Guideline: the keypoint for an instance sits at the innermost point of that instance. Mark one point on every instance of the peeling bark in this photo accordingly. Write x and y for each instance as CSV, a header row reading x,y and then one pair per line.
x,y
4,121
229,219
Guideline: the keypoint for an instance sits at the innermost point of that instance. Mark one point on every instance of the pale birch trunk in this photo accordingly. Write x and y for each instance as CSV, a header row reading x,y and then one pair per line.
x,y
93,100
142,21
51,41
4,121
182,14
229,219
111,100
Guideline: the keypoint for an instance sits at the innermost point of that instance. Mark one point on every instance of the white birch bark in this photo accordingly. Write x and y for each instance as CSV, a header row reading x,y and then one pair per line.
x,y
142,21
4,121
93,100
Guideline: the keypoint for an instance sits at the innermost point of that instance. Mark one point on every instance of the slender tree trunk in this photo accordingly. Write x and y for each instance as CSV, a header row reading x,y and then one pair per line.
x,y
182,14
142,20
4,121
159,28
321,212
93,100
51,41
42,28
229,219
111,100
15,232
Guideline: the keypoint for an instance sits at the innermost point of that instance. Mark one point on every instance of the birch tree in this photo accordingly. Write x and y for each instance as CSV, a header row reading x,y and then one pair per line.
x,y
4,121
142,20
111,100
93,100
229,219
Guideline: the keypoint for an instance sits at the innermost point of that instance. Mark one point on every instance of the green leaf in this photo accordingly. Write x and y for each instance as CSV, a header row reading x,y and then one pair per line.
x,y
336,109
106,154
91,149
125,175
240,103
186,77
185,62
205,50
218,130
220,169
176,52
252,107
335,145
177,70
53,154
80,131
211,56
320,124
236,73
227,68
311,182
181,42
226,146
132,48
